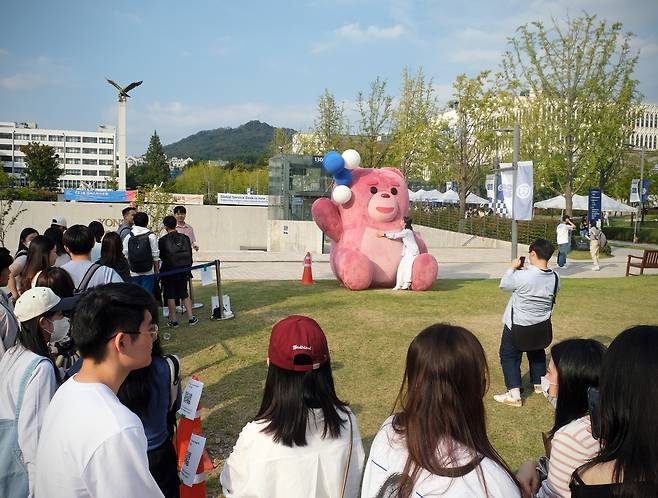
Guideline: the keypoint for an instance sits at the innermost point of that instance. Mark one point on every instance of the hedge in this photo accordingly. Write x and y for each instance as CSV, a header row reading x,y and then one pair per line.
x,y
645,235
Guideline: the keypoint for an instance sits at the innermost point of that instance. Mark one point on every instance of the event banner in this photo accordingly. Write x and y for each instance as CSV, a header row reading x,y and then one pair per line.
x,y
94,195
491,186
645,190
241,199
635,196
594,205
451,186
524,189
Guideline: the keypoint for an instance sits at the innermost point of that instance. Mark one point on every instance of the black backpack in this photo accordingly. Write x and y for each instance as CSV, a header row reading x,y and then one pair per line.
x,y
140,256
178,250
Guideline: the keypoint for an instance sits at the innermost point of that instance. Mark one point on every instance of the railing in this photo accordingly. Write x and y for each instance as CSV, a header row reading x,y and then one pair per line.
x,y
491,226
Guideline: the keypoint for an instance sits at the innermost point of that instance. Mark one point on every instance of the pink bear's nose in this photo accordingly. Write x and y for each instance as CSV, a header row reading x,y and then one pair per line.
x,y
385,195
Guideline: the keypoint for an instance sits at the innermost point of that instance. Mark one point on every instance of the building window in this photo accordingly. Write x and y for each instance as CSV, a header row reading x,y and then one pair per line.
x,y
59,150
89,140
19,159
89,172
72,160
73,150
5,158
39,138
72,172
90,161
107,152
103,140
21,136
105,162
56,138
73,139
89,151
5,135
5,146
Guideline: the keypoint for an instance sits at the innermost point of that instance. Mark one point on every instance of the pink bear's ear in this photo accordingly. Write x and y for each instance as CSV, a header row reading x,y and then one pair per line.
x,y
396,171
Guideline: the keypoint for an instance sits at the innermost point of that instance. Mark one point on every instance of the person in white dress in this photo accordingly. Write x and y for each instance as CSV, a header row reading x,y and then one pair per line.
x,y
409,252
436,444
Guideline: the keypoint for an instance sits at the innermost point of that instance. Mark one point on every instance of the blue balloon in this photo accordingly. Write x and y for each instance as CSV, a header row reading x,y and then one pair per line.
x,y
343,177
333,162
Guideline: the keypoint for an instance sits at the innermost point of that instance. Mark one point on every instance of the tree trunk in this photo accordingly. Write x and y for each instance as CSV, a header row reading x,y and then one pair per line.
x,y
462,208
568,197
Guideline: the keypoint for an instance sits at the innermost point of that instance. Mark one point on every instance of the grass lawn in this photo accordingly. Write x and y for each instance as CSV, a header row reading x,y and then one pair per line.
x,y
368,334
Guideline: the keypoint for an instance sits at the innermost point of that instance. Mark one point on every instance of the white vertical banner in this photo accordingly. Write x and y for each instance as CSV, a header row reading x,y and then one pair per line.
x,y
635,191
524,189
490,184
451,186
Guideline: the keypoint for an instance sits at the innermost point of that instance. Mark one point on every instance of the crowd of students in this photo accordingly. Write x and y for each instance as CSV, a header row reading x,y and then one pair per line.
x,y
103,426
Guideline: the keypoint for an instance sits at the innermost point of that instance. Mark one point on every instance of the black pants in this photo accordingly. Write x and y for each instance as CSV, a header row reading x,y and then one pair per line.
x,y
163,465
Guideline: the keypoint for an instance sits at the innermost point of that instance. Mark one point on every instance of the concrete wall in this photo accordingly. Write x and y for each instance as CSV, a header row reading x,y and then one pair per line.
x,y
294,236
435,237
217,228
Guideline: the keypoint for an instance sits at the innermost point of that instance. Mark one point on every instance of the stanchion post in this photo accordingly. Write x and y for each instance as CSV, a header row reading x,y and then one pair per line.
x,y
219,290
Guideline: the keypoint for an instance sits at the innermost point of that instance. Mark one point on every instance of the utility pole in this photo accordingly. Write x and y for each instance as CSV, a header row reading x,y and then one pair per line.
x,y
515,169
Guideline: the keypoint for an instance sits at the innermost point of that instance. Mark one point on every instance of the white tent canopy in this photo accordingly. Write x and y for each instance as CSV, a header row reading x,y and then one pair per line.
x,y
579,202
451,197
475,199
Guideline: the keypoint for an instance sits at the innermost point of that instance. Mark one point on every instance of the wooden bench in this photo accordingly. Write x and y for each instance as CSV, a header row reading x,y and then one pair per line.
x,y
648,260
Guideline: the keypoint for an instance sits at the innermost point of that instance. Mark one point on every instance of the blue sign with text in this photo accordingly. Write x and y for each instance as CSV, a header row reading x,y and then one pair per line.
x,y
594,205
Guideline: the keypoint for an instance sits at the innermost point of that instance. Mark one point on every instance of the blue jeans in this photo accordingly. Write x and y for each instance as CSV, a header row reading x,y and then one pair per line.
x,y
563,250
146,281
510,360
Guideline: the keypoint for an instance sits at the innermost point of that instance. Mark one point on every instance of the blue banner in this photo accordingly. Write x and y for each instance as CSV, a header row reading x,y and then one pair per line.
x,y
94,195
594,205
645,190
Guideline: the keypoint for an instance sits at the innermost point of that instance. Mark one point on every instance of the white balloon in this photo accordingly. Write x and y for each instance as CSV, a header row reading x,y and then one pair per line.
x,y
352,159
341,194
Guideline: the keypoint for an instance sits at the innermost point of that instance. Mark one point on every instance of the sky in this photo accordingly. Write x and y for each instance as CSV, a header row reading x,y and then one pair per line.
x,y
209,64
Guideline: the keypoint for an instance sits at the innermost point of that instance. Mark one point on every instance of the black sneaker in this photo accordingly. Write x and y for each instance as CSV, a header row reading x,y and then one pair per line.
x,y
172,324
193,321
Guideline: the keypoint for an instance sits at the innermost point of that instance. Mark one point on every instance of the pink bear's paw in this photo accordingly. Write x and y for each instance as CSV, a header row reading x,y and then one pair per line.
x,y
424,272
354,269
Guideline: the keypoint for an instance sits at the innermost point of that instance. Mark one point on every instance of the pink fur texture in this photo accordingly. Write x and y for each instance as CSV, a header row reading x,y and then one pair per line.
x,y
360,259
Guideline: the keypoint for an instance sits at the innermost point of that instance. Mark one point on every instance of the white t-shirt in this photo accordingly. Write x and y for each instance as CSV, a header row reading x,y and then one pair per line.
x,y
39,390
103,275
259,467
92,446
388,454
563,233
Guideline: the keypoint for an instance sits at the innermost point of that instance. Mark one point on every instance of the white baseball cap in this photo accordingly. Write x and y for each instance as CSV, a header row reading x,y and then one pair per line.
x,y
59,220
40,300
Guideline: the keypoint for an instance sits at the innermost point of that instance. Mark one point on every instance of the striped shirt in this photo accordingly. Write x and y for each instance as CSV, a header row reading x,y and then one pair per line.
x,y
571,447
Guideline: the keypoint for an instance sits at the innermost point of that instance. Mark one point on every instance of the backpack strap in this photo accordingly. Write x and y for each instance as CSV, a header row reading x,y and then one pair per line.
x,y
554,290
174,377
26,378
84,283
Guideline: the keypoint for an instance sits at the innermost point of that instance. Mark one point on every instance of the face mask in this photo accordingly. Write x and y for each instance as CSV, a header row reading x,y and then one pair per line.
x,y
60,329
545,386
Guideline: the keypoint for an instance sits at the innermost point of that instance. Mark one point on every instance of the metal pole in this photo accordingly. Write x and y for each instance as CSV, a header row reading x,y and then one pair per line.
x,y
642,185
515,167
640,212
219,290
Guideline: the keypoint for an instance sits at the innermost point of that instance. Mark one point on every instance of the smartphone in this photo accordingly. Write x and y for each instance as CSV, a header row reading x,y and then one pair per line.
x,y
522,259
593,405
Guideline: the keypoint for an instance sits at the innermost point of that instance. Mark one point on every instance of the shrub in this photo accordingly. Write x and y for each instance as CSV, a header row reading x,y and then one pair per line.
x,y
645,235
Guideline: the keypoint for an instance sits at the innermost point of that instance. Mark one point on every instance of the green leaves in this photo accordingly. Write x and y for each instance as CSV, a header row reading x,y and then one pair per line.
x,y
42,169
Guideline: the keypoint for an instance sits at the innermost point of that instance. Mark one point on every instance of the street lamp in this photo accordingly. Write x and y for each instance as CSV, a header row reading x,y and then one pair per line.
x,y
516,134
640,192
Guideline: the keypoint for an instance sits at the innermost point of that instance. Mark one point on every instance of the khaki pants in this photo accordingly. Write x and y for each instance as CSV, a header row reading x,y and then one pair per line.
x,y
594,251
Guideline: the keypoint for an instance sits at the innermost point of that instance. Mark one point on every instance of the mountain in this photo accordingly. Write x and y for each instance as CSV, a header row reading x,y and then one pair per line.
x,y
247,143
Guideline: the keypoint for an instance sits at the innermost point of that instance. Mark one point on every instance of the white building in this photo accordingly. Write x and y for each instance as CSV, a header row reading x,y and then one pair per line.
x,y
645,133
87,157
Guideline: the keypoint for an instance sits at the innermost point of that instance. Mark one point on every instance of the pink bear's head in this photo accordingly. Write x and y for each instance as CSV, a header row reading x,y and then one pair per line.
x,y
380,195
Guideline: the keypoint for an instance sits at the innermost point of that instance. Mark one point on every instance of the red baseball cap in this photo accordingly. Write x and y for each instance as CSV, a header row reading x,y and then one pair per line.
x,y
294,336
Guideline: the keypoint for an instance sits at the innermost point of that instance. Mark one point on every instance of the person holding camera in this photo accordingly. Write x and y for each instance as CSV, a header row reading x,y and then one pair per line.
x,y
527,319
564,240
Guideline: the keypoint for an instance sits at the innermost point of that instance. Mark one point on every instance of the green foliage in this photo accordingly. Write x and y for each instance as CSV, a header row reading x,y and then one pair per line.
x,y
155,169
578,115
29,194
157,203
281,142
41,169
248,143
645,235
375,120
330,123
208,179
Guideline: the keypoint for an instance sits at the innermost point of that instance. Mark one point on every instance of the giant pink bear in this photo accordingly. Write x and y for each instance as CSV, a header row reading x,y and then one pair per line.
x,y
359,258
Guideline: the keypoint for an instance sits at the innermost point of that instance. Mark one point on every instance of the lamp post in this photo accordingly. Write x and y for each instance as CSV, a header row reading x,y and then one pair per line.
x,y
516,145
640,192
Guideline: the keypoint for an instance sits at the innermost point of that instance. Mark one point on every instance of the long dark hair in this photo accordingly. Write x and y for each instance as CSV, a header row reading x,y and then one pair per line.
x,y
31,337
407,222
441,411
578,363
58,280
24,234
628,403
289,396
57,236
38,259
112,254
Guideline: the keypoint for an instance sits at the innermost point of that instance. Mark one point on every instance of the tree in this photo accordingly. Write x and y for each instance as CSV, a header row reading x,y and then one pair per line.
x,y
112,181
8,217
416,125
157,204
376,111
156,169
281,142
579,74
330,124
468,142
42,169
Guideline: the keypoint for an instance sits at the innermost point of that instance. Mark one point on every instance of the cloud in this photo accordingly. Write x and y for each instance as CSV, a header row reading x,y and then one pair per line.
x,y
21,82
353,33
477,55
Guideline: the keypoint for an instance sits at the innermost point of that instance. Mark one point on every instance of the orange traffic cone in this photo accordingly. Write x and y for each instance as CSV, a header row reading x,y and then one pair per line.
x,y
184,431
307,276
